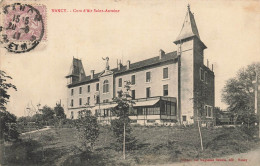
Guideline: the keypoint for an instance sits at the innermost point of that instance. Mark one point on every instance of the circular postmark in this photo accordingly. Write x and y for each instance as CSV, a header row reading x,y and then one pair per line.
x,y
22,28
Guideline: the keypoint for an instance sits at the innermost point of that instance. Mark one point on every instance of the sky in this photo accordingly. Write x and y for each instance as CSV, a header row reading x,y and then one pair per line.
x,y
230,30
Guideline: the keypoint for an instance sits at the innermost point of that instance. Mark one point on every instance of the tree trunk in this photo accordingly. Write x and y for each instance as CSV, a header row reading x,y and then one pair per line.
x,y
124,143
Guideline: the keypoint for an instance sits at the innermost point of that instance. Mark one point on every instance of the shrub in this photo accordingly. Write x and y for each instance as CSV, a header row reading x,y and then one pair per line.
x,y
88,129
8,126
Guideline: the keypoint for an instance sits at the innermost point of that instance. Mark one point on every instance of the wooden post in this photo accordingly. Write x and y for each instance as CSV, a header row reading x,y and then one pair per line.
x,y
201,143
256,102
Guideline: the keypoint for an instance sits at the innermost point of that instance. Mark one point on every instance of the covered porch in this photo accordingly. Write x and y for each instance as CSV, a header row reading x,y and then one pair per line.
x,y
144,111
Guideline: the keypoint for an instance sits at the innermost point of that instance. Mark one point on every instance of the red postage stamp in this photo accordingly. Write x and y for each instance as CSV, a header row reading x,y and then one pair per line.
x,y
23,27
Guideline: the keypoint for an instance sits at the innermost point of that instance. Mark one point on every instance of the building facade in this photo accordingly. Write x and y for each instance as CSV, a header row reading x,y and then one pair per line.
x,y
172,88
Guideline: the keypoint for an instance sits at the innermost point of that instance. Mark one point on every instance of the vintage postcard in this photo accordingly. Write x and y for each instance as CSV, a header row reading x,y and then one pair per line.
x,y
129,82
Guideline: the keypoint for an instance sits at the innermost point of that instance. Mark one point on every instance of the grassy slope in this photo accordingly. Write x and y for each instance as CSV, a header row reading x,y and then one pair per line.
x,y
155,145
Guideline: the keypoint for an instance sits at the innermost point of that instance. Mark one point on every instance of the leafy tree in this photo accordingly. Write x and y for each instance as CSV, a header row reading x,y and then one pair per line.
x,y
8,126
239,92
47,113
59,111
121,126
88,130
4,96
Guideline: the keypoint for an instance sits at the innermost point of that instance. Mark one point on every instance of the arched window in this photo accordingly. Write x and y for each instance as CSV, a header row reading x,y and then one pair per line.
x,y
105,86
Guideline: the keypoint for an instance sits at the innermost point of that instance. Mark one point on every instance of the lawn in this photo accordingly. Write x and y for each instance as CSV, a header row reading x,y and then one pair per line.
x,y
156,145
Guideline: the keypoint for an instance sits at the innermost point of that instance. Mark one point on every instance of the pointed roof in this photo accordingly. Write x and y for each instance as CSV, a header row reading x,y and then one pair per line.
x,y
189,27
76,68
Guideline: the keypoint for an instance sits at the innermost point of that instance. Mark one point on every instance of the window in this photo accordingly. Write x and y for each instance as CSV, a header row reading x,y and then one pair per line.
x,y
97,86
80,90
88,100
71,103
208,111
133,80
206,77
168,108
80,101
139,111
148,92
133,94
173,109
165,73
165,90
184,118
120,82
148,76
71,92
98,99
88,88
105,86
201,74
72,115
152,111
97,113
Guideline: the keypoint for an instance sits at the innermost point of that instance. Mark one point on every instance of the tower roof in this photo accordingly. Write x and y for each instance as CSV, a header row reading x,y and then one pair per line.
x,y
76,68
189,27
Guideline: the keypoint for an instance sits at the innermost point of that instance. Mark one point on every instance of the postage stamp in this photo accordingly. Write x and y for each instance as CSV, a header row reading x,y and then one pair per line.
x,y
23,27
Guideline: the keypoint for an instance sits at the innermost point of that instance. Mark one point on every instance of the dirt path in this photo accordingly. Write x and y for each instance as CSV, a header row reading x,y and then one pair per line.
x,y
47,128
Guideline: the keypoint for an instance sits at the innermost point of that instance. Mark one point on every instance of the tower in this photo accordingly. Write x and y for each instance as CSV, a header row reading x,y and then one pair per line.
x,y
76,72
191,55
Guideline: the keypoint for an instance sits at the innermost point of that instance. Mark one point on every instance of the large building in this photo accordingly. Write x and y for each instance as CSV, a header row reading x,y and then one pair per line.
x,y
174,87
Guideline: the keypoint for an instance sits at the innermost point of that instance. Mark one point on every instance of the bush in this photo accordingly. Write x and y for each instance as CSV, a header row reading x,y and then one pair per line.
x,y
8,126
117,127
88,131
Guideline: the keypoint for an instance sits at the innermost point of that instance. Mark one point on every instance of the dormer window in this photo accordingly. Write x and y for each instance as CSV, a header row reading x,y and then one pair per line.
x,y
105,86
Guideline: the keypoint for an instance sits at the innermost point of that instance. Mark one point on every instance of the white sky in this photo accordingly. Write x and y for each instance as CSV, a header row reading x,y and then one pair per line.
x,y
230,30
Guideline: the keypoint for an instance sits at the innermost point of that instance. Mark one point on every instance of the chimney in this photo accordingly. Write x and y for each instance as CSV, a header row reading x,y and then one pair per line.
x,y
161,54
207,63
119,65
128,65
92,74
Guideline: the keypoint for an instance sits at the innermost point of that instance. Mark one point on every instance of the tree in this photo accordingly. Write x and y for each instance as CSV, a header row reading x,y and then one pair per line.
x,y
239,92
4,96
88,129
8,125
47,113
59,111
121,126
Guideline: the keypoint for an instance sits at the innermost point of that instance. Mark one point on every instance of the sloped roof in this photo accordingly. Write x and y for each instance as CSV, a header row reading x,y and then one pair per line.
x,y
189,27
134,66
76,68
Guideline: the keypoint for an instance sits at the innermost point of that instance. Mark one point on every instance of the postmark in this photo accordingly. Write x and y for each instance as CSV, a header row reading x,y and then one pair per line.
x,y
23,27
